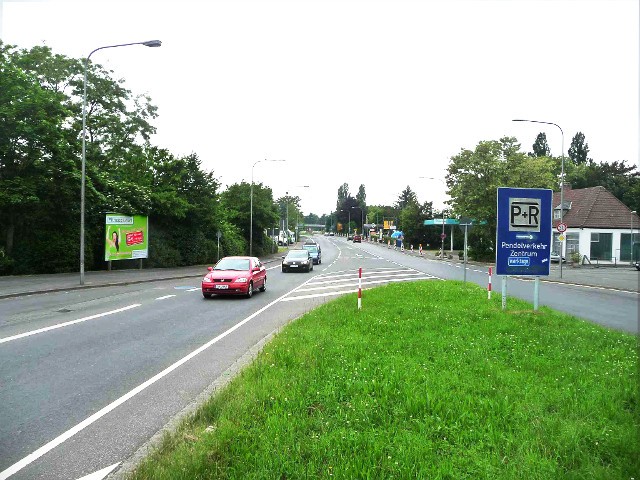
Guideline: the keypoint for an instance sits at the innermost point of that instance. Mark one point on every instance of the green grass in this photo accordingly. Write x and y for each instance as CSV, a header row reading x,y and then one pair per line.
x,y
429,380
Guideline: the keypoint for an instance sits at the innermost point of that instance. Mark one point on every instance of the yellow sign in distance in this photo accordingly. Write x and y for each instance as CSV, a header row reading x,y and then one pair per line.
x,y
561,238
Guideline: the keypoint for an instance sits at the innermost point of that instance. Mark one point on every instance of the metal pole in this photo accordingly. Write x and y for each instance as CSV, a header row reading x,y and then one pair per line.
x,y
251,213
631,239
504,292
561,182
82,181
148,43
465,254
442,251
536,292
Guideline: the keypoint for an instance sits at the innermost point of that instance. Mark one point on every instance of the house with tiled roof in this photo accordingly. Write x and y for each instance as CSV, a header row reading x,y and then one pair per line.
x,y
599,226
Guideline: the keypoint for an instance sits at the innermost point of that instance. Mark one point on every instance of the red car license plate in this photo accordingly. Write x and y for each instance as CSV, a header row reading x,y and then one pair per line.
x,y
222,287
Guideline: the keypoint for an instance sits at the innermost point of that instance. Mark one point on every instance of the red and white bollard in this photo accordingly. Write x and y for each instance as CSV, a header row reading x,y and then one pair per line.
x,y
360,288
411,248
489,285
420,249
388,243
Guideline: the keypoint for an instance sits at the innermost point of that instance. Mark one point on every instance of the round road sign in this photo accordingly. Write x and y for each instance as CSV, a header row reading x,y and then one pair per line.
x,y
443,236
562,227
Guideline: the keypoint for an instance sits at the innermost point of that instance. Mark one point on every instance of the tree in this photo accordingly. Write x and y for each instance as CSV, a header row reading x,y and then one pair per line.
x,y
540,146
474,176
343,193
579,149
407,197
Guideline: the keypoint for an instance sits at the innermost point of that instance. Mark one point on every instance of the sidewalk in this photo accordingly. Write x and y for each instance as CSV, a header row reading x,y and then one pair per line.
x,y
19,285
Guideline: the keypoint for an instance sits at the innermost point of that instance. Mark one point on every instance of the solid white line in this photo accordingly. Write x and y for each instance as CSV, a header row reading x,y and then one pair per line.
x,y
166,296
100,474
66,324
194,289
19,465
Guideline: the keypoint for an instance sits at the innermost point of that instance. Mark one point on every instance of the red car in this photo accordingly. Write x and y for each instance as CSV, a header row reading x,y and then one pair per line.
x,y
235,276
357,238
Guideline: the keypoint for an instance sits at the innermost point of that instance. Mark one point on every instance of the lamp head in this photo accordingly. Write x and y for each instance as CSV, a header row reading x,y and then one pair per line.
x,y
152,43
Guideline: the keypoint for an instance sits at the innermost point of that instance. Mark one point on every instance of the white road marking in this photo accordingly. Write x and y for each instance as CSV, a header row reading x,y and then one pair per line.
x,y
364,279
344,292
194,289
166,296
66,324
100,474
19,465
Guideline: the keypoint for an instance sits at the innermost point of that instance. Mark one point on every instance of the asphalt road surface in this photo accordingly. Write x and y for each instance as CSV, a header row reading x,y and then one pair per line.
x,y
87,377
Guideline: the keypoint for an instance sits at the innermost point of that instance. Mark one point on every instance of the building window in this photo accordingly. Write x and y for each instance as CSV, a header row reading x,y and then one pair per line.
x,y
601,246
556,214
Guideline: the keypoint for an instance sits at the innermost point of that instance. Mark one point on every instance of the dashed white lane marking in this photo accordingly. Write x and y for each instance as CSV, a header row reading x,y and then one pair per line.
x,y
194,290
32,457
166,296
66,324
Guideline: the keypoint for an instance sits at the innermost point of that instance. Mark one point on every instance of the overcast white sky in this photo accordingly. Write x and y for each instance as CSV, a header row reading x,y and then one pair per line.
x,y
364,92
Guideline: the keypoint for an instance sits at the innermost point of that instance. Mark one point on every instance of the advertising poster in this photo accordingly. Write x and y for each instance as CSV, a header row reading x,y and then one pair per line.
x,y
127,237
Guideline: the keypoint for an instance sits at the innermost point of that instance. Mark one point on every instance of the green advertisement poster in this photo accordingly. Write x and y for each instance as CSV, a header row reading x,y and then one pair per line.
x,y
126,237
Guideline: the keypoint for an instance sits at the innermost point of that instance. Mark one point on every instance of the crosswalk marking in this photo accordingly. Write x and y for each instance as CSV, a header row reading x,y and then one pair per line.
x,y
345,282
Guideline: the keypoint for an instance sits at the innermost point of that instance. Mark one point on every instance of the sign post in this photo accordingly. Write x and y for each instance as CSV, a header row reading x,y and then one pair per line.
x,y
523,236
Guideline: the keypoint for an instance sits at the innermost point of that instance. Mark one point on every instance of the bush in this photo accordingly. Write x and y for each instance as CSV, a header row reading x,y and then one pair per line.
x,y
576,257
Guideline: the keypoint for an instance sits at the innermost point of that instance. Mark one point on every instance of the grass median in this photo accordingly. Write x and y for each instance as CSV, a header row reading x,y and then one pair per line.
x,y
428,380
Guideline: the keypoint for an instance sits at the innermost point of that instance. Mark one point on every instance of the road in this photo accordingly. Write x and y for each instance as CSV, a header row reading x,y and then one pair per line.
x,y
88,376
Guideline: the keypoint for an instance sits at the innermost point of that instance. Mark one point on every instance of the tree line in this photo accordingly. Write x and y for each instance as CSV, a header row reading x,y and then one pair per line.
x,y
40,174
472,179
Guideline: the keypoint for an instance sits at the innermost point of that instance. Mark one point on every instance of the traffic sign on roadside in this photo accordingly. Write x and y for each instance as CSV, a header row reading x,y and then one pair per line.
x,y
562,227
523,235
443,236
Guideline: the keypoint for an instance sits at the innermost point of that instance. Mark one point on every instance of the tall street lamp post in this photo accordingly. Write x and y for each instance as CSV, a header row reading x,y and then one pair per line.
x,y
631,239
349,224
442,235
561,182
361,220
251,205
149,43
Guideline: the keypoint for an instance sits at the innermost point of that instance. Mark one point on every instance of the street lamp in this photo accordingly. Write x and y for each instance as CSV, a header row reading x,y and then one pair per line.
x,y
361,219
442,235
349,224
251,205
631,240
561,182
149,43
287,216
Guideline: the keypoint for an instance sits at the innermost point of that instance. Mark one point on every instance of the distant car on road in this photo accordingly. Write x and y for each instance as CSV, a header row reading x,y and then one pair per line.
x,y
315,251
235,276
349,236
357,238
298,259
555,257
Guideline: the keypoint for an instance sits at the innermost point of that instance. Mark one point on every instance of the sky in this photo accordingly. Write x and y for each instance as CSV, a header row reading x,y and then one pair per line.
x,y
379,93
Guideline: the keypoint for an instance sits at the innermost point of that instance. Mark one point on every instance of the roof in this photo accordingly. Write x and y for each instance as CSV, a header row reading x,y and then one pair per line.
x,y
594,207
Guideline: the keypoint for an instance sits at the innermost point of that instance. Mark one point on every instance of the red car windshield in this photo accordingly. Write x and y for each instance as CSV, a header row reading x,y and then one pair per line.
x,y
232,264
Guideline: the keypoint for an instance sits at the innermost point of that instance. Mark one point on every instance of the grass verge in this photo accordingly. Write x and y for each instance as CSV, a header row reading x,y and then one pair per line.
x,y
428,380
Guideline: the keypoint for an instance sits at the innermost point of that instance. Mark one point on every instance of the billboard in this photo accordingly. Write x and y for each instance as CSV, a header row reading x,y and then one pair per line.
x,y
127,237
